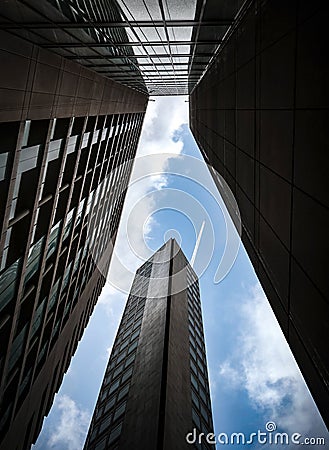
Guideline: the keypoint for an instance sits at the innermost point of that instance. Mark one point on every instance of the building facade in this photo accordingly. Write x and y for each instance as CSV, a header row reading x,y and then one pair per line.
x,y
68,139
155,47
260,117
257,75
155,389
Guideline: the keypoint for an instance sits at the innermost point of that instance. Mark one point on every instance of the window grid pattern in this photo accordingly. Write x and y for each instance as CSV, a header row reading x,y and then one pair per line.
x,y
77,191
106,424
160,48
201,406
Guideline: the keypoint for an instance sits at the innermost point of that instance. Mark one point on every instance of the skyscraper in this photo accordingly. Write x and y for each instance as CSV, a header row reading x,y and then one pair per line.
x,y
260,117
155,389
68,138
256,72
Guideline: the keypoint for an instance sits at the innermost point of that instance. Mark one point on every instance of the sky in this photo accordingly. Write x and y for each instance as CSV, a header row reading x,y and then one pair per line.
x,y
254,379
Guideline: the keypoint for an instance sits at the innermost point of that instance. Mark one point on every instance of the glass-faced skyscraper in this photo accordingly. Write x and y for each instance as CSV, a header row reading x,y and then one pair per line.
x,y
155,389
68,139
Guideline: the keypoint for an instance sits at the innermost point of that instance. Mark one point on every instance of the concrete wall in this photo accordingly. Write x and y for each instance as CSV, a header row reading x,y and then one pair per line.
x,y
38,84
260,116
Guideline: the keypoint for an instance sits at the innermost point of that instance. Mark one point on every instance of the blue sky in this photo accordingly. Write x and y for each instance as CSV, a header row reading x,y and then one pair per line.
x,y
254,378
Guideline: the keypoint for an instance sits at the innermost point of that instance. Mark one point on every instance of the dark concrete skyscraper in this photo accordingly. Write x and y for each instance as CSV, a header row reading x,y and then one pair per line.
x,y
155,389
68,138
260,117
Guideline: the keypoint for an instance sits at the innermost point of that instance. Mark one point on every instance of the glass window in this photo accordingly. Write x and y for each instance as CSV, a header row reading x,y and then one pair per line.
x,y
114,386
53,150
194,382
193,367
195,399
93,434
115,433
66,276
139,314
71,146
204,428
141,305
103,394
127,333
53,294
68,224
112,365
198,331
85,140
191,330
76,262
123,392
135,335
132,347
130,360
101,445
199,352
128,324
201,366
38,315
204,414
28,158
137,324
196,418
8,284
33,259
99,413
42,352
131,315
117,371
109,404
79,213
3,164
198,341
17,348
121,357
105,423
203,395
123,345
192,352
201,379
127,374
53,239
119,411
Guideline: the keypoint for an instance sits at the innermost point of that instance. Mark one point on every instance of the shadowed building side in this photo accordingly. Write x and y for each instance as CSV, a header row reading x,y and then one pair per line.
x,y
68,139
259,116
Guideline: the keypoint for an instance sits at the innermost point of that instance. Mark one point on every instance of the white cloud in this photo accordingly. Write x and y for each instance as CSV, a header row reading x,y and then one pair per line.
x,y
108,351
228,372
163,118
70,431
264,366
